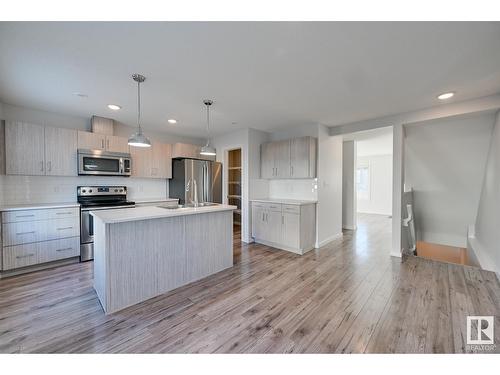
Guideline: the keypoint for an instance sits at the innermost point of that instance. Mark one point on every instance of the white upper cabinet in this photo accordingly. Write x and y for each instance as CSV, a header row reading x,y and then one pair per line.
x,y
24,149
60,151
293,158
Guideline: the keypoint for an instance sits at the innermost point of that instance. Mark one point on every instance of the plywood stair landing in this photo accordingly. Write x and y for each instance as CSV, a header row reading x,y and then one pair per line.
x,y
442,253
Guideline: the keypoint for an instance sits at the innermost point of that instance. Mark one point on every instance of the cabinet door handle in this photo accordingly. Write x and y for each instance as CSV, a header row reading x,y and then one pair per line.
x,y
23,233
64,228
19,216
25,256
49,166
65,249
63,213
41,166
282,219
102,144
107,144
292,169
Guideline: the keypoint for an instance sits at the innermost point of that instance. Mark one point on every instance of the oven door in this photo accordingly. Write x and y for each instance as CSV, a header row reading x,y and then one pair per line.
x,y
89,164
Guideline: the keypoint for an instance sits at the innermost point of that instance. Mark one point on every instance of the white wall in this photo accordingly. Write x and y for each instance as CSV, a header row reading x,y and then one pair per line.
x,y
301,189
444,164
329,207
349,206
49,189
249,141
380,199
486,243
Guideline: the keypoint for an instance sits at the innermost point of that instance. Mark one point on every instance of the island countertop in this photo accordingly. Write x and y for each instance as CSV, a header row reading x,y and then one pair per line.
x,y
121,215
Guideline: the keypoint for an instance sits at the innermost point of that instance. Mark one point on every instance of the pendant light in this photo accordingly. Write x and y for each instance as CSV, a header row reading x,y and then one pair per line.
x,y
207,149
138,139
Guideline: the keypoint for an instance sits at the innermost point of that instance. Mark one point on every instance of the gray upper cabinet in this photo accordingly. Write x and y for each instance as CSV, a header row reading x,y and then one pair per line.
x,y
267,166
36,150
24,149
303,157
97,141
60,151
293,158
91,141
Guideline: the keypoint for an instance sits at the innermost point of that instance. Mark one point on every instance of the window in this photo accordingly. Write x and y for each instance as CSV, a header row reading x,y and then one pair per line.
x,y
363,181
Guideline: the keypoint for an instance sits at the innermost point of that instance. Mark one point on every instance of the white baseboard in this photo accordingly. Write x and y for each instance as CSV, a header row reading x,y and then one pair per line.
x,y
349,227
397,255
327,240
484,260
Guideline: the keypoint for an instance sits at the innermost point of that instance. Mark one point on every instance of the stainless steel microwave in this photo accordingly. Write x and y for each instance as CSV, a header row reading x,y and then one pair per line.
x,y
103,163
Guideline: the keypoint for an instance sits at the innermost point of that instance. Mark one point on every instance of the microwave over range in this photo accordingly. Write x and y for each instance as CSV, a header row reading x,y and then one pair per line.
x,y
103,163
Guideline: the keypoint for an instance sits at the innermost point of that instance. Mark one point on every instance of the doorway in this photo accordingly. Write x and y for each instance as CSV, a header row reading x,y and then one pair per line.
x,y
367,184
234,188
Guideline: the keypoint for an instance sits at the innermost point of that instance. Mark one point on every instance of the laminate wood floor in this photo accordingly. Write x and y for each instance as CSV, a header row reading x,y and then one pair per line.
x,y
349,296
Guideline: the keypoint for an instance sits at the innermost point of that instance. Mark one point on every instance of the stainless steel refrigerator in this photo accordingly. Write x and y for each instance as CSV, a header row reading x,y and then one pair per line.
x,y
193,179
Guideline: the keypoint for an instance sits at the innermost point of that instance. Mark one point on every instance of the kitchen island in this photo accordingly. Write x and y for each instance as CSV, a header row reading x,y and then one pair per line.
x,y
142,252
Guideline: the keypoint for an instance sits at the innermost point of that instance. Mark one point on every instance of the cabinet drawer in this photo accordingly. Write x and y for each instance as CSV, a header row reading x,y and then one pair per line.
x,y
59,249
291,208
20,256
24,215
63,228
24,232
61,213
267,206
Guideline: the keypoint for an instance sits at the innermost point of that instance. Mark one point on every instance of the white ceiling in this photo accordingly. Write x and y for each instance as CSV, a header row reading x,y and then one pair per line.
x,y
261,75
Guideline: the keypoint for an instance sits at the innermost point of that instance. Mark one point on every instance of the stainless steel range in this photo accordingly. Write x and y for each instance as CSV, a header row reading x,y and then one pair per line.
x,y
93,198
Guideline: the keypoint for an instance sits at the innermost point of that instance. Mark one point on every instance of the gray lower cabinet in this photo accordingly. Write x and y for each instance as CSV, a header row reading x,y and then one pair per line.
x,y
285,226
31,237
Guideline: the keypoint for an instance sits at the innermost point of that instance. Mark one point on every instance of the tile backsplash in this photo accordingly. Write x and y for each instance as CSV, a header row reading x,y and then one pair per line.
x,y
48,189
306,189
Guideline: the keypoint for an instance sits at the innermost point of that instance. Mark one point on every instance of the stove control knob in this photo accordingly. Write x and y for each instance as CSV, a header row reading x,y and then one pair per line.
x,y
121,190
90,191
116,190
83,191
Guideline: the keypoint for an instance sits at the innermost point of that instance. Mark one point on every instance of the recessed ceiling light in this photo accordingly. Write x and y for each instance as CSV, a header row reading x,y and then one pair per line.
x,y
114,107
81,95
446,95
172,121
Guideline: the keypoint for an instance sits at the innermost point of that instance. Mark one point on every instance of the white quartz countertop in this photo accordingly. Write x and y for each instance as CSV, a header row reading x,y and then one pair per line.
x,y
151,212
37,206
284,201
155,200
